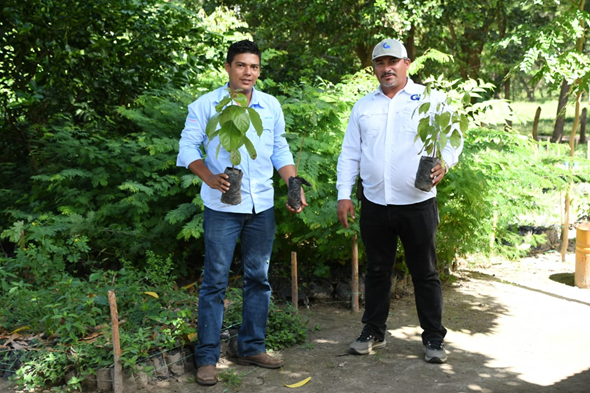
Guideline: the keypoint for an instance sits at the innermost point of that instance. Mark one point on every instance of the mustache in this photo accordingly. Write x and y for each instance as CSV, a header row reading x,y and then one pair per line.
x,y
389,73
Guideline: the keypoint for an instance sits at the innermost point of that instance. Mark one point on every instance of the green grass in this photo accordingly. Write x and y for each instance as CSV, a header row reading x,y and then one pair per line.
x,y
525,114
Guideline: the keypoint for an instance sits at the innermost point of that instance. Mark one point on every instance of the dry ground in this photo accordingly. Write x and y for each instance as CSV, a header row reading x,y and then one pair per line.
x,y
513,327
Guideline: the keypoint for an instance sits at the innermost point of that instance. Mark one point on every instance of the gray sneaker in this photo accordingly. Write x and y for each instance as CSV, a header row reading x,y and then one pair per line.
x,y
365,344
434,352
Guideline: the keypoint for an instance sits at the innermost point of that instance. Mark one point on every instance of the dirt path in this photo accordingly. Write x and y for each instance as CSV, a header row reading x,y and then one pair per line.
x,y
512,328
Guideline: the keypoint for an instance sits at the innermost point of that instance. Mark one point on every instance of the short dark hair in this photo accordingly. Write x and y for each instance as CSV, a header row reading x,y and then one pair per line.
x,y
244,46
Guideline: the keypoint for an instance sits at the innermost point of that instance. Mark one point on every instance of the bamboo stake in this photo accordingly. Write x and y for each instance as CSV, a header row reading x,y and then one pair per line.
x,y
566,222
579,48
355,274
118,371
294,286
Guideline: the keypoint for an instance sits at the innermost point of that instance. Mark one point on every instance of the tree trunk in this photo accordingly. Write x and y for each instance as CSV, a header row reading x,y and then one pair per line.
x,y
560,117
507,96
530,92
410,43
583,126
364,53
411,48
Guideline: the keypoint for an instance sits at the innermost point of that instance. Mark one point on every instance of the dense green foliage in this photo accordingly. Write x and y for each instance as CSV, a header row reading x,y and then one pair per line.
x,y
71,315
93,98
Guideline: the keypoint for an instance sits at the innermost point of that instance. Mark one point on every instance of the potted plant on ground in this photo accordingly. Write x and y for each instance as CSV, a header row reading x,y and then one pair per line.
x,y
234,117
439,125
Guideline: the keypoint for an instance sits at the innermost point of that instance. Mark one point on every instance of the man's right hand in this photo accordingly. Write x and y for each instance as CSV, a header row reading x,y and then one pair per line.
x,y
218,182
345,207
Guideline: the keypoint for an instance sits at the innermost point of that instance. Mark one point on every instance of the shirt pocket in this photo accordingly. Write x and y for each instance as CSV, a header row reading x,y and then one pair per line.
x,y
265,142
408,118
372,125
267,136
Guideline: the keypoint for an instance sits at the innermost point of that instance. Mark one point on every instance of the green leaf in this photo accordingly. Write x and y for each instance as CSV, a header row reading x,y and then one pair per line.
x,y
250,147
213,135
466,99
228,114
241,99
444,119
424,128
464,124
230,137
443,140
424,107
240,119
256,120
222,103
94,277
455,139
235,157
212,125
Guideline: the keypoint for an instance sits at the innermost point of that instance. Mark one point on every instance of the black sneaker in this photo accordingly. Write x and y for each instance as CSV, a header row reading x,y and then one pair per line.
x,y
434,352
365,344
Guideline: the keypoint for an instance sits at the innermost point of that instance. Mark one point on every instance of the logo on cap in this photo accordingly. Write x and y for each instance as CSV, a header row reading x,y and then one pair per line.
x,y
386,45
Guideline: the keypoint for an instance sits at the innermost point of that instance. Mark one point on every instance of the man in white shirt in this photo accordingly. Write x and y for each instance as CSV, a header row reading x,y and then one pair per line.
x,y
379,145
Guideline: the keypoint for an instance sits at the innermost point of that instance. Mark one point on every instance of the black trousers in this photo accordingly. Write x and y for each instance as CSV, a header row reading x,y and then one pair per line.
x,y
415,225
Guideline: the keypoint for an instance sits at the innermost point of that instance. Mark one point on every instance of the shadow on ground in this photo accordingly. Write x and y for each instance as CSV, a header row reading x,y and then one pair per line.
x,y
503,337
508,332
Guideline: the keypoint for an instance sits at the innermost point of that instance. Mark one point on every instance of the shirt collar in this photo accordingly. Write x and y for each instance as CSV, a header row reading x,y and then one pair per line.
x,y
409,88
221,93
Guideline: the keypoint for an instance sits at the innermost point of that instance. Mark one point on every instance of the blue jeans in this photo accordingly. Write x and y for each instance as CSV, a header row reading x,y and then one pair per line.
x,y
256,232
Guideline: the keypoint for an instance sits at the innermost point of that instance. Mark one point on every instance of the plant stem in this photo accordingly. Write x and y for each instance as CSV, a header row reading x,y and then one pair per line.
x,y
299,155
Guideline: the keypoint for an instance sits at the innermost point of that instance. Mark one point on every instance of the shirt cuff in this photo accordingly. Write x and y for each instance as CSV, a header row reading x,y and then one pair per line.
x,y
344,194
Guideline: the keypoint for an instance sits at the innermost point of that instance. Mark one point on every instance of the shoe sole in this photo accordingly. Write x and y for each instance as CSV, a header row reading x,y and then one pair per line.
x,y
374,346
435,360
206,383
251,363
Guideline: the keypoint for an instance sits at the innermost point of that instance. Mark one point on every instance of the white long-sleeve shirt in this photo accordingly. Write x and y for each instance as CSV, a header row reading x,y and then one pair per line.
x,y
379,142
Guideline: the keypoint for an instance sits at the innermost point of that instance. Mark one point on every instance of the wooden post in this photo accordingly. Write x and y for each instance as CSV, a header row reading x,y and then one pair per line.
x,y
583,118
582,273
536,124
118,371
572,141
355,274
294,286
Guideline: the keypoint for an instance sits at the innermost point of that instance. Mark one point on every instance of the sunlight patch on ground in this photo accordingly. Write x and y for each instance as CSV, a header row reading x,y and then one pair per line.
x,y
519,344
410,333
323,341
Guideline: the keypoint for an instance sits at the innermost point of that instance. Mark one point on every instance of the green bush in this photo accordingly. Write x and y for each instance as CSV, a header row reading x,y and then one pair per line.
x,y
286,327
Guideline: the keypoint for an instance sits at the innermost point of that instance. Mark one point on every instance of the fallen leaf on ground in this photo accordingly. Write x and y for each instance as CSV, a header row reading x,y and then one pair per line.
x,y
298,384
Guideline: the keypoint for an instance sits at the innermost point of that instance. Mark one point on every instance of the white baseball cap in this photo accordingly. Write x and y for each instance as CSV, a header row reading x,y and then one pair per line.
x,y
390,47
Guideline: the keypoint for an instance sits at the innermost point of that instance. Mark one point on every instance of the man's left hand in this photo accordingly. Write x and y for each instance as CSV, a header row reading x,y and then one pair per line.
x,y
437,174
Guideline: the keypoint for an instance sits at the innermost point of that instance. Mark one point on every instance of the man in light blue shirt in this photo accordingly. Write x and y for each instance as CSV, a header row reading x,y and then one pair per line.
x,y
252,220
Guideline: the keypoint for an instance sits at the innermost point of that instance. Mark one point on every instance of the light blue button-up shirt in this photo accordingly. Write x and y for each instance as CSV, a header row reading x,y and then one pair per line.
x,y
271,147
